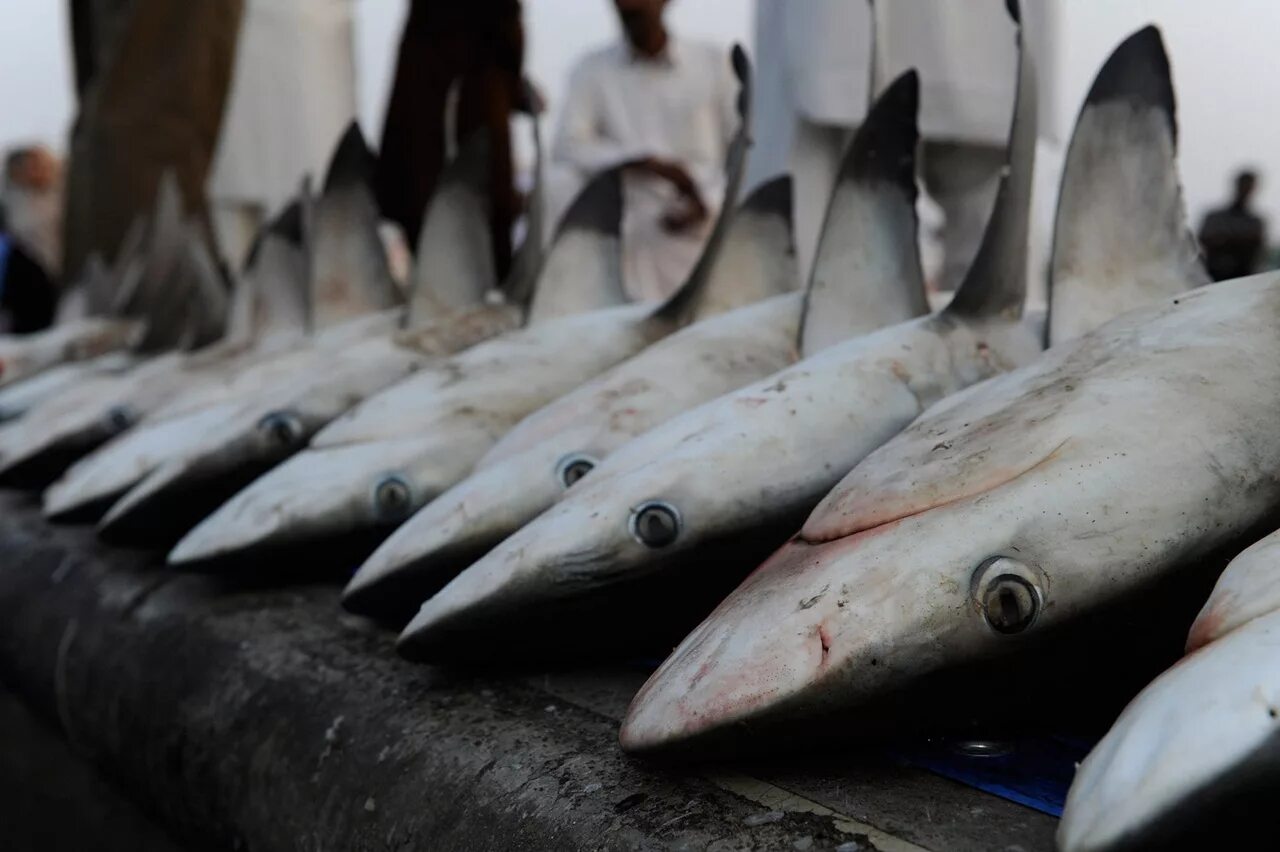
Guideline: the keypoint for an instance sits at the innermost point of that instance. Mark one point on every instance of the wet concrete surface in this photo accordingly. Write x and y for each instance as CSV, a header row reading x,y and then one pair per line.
x,y
265,719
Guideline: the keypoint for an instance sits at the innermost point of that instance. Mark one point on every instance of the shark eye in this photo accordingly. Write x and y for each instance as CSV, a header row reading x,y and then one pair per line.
x,y
392,498
1009,594
119,417
282,428
573,467
655,524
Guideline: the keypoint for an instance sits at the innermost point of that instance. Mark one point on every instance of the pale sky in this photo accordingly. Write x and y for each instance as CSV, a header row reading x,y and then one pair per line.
x,y
1223,56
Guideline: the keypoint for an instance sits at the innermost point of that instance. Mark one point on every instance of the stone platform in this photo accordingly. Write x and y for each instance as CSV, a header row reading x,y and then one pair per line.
x,y
265,719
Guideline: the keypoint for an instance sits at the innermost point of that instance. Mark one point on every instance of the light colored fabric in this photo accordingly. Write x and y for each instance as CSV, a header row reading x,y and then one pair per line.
x,y
814,60
35,220
292,94
965,53
236,224
815,161
963,179
620,107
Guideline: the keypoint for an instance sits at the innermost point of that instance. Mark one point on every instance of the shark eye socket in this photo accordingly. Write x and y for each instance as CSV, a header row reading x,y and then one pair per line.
x,y
282,428
573,467
392,498
655,524
119,417
1009,595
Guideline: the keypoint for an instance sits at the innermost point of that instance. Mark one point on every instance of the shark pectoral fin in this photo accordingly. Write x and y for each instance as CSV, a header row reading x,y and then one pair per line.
x,y
866,273
1121,237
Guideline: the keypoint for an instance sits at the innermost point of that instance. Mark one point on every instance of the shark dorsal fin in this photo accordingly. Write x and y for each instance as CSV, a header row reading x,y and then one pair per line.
x,y
349,274
455,268
696,290
582,269
206,301
757,258
518,288
996,283
866,272
1121,237
270,301
145,271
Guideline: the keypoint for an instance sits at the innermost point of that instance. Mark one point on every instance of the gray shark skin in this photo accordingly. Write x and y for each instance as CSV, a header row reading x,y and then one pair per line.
x,y
1193,761
866,277
25,356
745,468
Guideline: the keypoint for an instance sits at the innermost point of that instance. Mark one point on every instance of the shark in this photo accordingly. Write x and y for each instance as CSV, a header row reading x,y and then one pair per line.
x,y
1191,761
1015,524
866,276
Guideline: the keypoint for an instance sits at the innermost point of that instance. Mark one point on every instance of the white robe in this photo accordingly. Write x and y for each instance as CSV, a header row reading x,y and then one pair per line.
x,y
815,69
619,108
292,94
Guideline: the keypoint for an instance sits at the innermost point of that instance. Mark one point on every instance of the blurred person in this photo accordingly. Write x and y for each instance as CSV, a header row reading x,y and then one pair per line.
x,y
666,106
479,45
153,77
816,68
28,298
1233,236
293,92
31,193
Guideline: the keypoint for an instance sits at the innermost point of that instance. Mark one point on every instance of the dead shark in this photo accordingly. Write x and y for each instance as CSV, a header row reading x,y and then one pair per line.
x,y
1192,761
1039,503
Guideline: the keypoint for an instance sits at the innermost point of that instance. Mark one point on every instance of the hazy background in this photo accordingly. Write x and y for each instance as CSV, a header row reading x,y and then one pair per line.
x,y
1222,53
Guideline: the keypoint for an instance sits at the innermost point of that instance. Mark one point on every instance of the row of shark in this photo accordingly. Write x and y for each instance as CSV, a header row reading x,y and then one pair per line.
x,y
832,501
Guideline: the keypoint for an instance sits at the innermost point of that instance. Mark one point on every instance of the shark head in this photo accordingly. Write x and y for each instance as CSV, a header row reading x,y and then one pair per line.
x,y
356,492
262,433
1038,503
606,535
96,481
454,530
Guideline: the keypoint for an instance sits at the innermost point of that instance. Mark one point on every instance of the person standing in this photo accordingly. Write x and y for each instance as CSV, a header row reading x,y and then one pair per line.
x,y
479,46
819,61
293,93
31,193
153,77
665,107
1233,236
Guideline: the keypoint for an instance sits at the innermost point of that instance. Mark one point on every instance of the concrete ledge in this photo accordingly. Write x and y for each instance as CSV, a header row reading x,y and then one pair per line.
x,y
264,719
